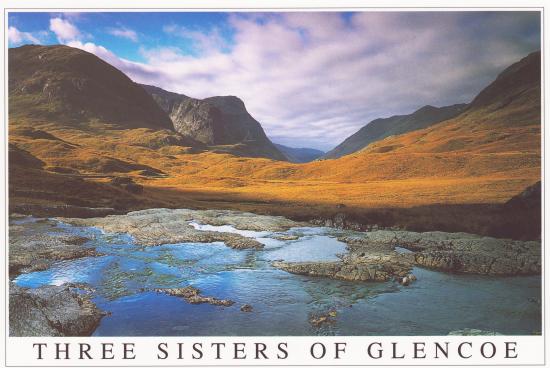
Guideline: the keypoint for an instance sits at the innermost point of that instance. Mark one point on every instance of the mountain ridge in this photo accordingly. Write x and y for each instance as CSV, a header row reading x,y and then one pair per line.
x,y
216,121
394,125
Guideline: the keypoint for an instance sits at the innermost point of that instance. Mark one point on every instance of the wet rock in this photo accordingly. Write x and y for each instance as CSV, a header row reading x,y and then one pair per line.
x,y
167,226
286,237
36,251
374,267
473,332
246,308
317,320
457,252
193,295
51,311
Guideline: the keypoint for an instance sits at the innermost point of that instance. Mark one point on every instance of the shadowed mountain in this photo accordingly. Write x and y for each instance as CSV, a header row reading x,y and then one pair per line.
x,y
381,128
220,122
299,155
75,87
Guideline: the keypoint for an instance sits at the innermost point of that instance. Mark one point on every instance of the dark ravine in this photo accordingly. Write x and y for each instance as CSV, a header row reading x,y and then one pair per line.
x,y
216,121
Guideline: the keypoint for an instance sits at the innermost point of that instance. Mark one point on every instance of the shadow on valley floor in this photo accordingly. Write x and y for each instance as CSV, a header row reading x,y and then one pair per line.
x,y
42,193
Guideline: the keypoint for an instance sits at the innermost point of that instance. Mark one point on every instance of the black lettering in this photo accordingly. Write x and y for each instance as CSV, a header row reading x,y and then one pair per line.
x,y
239,348
85,351
339,349
260,349
394,355
218,345
483,349
40,345
162,347
105,351
510,349
282,348
58,351
439,348
128,347
197,347
180,350
419,348
323,350
379,350
460,350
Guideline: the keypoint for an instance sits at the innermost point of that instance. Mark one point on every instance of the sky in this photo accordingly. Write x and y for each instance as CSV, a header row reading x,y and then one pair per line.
x,y
310,78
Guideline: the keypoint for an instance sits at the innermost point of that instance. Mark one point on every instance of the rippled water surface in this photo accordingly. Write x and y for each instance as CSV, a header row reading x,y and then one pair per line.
x,y
282,303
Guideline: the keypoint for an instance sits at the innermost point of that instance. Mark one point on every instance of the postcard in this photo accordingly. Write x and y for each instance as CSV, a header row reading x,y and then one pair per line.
x,y
239,184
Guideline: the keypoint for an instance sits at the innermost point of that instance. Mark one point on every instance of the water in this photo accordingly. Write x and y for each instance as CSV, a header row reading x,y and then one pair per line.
x,y
282,303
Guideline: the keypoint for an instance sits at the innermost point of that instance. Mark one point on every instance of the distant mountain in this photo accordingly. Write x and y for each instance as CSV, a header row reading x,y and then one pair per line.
x,y
220,121
381,128
299,155
74,87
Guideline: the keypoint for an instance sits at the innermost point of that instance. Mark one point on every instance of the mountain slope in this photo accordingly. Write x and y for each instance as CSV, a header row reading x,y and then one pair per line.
x,y
381,128
497,137
299,155
216,121
75,87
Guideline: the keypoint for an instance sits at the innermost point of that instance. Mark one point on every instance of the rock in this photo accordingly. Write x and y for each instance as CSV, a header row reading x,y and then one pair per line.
x,y
51,311
375,267
192,295
473,332
246,308
36,251
457,252
167,226
286,237
323,318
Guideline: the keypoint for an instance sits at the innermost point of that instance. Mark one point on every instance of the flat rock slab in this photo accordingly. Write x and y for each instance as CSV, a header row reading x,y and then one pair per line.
x,y
372,257
36,251
193,296
462,252
168,226
51,311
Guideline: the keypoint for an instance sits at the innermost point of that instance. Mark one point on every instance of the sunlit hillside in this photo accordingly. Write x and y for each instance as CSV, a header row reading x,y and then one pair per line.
x,y
486,155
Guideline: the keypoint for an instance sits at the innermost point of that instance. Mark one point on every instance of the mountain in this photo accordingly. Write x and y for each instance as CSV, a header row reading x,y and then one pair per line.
x,y
299,155
220,121
75,87
381,128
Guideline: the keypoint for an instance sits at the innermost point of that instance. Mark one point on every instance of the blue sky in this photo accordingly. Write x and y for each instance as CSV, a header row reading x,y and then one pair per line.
x,y
311,79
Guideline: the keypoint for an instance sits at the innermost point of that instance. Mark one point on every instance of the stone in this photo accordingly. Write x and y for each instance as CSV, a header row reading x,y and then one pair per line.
x,y
51,311
193,296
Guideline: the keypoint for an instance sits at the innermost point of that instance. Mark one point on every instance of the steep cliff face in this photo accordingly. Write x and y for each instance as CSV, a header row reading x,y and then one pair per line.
x,y
216,121
74,87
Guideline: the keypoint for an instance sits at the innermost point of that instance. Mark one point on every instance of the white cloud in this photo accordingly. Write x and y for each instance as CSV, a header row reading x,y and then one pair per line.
x,y
203,42
64,30
124,33
312,79
16,37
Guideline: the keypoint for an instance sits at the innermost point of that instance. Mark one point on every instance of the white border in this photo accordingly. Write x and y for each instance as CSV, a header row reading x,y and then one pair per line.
x,y
20,351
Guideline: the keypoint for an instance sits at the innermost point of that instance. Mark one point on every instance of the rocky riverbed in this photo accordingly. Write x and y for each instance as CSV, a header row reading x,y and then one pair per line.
x,y
167,226
57,260
372,256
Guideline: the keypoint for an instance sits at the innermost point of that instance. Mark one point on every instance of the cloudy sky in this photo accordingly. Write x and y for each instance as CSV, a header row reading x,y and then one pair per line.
x,y
311,79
